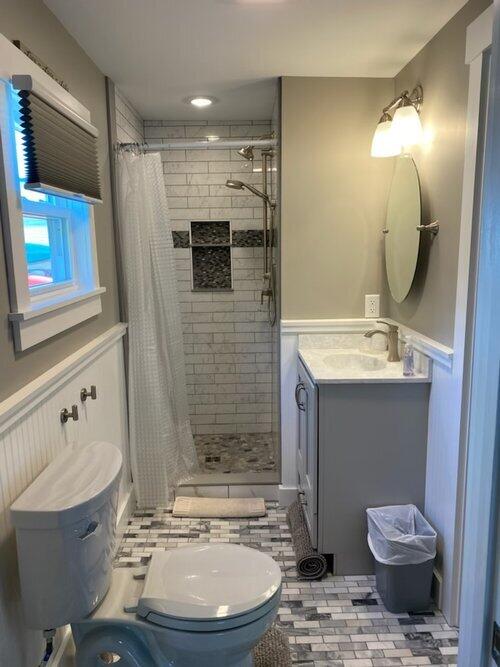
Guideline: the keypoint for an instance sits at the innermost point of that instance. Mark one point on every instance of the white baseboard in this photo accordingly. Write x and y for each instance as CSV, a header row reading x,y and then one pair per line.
x,y
286,495
125,509
437,588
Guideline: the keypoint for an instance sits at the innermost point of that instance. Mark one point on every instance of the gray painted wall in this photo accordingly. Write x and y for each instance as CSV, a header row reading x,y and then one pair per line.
x,y
333,195
32,23
440,68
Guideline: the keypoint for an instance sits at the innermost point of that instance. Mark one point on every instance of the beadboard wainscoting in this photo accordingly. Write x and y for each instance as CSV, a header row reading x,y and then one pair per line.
x,y
31,435
443,441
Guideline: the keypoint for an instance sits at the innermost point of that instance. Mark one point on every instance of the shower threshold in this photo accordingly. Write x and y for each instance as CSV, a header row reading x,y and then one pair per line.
x,y
232,479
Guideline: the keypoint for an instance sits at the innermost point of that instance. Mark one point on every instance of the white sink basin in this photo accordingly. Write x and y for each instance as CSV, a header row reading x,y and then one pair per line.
x,y
354,361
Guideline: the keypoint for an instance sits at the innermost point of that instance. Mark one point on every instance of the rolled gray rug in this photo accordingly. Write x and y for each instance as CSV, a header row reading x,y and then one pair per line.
x,y
310,564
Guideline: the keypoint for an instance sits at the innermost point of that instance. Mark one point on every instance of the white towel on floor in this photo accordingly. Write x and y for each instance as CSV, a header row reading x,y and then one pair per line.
x,y
218,508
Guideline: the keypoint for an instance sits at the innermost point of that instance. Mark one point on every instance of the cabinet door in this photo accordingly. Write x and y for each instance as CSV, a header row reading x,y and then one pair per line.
x,y
307,456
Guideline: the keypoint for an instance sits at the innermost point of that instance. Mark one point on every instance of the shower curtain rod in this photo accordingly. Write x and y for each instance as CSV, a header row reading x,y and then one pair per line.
x,y
203,143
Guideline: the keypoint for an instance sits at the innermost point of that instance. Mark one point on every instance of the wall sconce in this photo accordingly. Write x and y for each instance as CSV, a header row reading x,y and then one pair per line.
x,y
402,131
385,142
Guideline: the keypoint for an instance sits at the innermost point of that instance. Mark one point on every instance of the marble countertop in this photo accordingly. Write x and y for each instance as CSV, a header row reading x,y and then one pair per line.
x,y
332,365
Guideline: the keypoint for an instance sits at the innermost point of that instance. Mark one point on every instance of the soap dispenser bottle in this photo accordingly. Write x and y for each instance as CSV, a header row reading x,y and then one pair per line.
x,y
408,358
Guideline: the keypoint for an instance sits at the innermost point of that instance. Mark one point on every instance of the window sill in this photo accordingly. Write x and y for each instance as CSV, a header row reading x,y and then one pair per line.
x,y
48,317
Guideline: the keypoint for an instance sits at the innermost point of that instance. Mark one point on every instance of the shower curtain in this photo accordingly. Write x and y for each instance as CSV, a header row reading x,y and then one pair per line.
x,y
161,442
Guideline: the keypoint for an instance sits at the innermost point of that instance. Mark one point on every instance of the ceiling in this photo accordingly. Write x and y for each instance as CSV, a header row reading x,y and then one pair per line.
x,y
158,52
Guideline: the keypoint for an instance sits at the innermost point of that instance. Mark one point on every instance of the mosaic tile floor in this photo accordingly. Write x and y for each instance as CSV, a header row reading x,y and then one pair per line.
x,y
235,453
337,622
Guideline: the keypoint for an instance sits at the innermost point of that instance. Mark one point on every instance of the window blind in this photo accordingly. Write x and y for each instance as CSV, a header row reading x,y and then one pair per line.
x,y
60,155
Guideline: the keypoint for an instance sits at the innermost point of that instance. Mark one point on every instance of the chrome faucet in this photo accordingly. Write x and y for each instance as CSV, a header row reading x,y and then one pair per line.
x,y
392,339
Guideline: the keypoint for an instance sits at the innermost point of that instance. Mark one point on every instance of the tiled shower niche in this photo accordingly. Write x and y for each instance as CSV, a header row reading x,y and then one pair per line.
x,y
211,255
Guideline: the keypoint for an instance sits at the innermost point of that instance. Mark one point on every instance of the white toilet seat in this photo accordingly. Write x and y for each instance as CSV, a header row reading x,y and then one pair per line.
x,y
215,625
209,587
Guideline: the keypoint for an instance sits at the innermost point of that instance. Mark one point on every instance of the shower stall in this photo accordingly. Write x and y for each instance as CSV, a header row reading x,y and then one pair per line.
x,y
221,186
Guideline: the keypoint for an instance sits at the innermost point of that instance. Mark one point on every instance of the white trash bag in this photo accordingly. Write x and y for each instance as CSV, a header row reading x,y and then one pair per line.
x,y
400,535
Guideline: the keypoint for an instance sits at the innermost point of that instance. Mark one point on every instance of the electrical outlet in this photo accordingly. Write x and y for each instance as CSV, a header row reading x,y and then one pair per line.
x,y
372,305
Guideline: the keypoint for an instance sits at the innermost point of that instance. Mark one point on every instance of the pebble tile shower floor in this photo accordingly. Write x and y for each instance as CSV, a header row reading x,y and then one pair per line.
x,y
337,622
235,452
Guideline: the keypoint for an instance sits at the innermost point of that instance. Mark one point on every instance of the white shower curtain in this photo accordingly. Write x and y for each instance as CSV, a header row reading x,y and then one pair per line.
x,y
161,442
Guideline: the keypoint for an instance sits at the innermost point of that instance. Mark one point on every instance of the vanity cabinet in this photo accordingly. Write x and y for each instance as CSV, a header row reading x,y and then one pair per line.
x,y
360,445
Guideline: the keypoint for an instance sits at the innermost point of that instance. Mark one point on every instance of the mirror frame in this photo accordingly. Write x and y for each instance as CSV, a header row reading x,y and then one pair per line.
x,y
400,295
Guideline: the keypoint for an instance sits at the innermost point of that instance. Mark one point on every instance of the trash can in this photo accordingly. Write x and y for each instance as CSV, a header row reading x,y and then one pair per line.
x,y
403,544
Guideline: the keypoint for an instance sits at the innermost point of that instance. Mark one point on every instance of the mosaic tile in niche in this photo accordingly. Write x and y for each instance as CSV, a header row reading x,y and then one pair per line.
x,y
247,238
211,267
180,239
210,232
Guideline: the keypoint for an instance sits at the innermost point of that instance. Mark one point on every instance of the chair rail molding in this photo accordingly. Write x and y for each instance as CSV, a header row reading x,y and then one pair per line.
x,y
14,408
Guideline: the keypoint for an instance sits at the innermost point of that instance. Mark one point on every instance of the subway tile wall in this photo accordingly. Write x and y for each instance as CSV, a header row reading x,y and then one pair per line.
x,y
129,125
227,339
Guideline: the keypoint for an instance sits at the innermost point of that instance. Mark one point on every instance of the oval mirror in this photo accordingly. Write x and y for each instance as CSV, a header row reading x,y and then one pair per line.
x,y
402,239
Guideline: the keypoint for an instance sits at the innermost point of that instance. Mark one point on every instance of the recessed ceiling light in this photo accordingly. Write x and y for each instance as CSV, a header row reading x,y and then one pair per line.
x,y
201,101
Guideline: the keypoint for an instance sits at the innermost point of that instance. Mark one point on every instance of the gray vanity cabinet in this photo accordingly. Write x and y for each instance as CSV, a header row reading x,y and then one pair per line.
x,y
360,445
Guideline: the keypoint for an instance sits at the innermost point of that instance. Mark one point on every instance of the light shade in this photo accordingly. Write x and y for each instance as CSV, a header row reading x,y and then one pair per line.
x,y
385,143
406,125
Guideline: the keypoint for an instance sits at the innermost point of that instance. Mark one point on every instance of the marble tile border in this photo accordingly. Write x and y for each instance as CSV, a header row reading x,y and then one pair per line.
x,y
241,238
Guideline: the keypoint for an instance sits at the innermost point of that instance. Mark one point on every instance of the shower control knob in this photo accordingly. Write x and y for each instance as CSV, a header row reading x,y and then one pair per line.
x,y
85,393
265,292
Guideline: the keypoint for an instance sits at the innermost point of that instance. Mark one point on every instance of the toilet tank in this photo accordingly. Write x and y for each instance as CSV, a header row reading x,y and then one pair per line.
x,y
65,525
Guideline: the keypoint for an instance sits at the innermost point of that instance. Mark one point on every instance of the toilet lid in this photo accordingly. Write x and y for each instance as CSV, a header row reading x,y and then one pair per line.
x,y
210,581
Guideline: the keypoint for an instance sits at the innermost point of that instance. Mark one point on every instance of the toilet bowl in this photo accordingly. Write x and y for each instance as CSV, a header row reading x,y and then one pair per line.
x,y
206,605
201,605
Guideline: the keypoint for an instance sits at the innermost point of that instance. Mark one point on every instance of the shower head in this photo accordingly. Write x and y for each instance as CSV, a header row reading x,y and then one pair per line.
x,y
236,185
239,185
246,152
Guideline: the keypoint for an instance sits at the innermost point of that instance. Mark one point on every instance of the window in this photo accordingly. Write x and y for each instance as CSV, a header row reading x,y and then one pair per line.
x,y
49,239
49,223
48,252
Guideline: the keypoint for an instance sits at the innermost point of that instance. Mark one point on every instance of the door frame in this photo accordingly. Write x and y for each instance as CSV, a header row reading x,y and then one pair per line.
x,y
478,42
480,483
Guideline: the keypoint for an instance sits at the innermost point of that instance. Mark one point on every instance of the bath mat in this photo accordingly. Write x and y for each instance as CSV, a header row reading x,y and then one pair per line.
x,y
218,508
272,650
310,564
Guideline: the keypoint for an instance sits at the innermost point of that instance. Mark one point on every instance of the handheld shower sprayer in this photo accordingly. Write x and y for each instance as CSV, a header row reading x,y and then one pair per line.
x,y
240,185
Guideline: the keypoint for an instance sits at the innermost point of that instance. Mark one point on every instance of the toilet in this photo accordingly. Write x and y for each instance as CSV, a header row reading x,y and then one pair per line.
x,y
203,605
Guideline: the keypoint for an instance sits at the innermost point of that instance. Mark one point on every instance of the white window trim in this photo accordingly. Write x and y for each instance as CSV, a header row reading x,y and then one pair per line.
x,y
35,318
